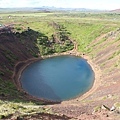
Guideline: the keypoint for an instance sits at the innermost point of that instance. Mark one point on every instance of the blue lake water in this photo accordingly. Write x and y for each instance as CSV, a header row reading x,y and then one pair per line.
x,y
58,78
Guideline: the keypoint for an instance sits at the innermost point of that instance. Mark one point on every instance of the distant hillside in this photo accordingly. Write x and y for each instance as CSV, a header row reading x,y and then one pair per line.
x,y
116,10
66,9
46,8
16,9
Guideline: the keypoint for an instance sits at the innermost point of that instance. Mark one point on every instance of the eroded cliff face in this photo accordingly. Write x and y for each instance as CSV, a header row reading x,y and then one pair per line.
x,y
15,47
106,54
21,46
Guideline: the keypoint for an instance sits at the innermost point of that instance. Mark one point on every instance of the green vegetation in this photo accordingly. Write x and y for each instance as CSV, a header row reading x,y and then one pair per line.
x,y
97,109
38,34
7,88
86,32
16,103
117,105
20,108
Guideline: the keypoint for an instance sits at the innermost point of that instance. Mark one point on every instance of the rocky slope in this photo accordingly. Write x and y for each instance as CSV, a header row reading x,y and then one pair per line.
x,y
104,52
104,102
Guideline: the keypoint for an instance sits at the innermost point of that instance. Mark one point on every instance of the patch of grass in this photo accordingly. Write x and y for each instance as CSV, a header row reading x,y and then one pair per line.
x,y
86,32
7,108
100,41
43,27
117,63
116,53
104,98
102,64
117,105
97,108
8,88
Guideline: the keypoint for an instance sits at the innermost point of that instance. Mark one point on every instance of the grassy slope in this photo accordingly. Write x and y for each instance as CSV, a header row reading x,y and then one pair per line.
x,y
85,32
83,28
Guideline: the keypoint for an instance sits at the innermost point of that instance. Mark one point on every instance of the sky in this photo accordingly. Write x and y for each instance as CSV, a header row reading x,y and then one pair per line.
x,y
91,4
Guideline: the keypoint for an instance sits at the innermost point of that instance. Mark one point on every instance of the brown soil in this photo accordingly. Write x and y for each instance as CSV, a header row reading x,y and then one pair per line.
x,y
105,90
38,116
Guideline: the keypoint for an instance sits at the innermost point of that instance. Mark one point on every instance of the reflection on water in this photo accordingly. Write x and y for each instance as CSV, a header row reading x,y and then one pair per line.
x,y
58,78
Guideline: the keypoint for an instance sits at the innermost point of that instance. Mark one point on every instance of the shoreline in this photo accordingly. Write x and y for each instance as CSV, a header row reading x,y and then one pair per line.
x,y
20,66
97,81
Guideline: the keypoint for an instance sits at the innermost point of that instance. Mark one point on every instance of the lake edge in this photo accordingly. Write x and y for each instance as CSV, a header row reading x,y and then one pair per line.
x,y
17,75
